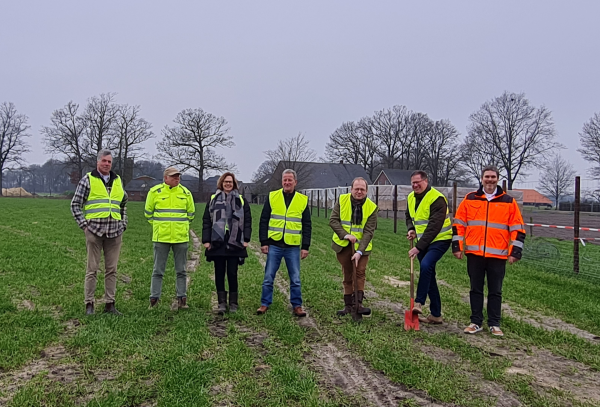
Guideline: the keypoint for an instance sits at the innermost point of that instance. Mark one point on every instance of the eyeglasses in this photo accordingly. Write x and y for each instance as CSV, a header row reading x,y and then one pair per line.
x,y
417,182
227,182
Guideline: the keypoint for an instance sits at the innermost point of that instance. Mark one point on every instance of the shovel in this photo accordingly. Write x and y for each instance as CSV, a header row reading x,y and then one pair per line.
x,y
355,315
411,320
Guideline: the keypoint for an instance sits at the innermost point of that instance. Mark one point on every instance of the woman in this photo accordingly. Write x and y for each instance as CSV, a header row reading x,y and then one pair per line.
x,y
226,231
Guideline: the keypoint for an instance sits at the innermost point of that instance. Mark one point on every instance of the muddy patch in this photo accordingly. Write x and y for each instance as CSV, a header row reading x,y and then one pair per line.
x,y
124,278
394,282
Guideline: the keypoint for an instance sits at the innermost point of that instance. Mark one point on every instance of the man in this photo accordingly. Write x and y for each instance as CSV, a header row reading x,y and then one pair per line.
x,y
99,207
354,220
428,222
170,209
284,232
491,225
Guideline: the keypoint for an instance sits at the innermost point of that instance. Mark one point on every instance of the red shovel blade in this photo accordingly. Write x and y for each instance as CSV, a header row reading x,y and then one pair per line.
x,y
411,320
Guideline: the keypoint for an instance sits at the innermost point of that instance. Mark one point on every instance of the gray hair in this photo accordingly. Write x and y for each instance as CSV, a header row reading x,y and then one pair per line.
x,y
290,171
420,173
360,179
103,153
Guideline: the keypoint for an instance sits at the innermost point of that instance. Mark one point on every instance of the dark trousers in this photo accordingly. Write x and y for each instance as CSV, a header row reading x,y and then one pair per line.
x,y
229,266
478,267
427,286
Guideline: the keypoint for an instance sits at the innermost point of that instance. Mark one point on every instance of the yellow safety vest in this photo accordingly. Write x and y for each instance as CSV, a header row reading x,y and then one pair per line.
x,y
288,220
346,217
420,219
99,204
170,210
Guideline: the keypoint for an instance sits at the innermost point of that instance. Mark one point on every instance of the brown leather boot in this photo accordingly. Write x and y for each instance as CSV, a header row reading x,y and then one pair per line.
x,y
299,312
182,303
89,308
153,302
262,310
430,319
362,310
110,308
348,303
222,300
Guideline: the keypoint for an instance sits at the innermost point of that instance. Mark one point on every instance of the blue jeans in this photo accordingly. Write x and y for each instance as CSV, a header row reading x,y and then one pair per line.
x,y
292,262
427,282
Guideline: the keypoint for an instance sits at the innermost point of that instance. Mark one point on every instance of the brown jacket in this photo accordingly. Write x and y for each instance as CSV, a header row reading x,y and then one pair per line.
x,y
335,223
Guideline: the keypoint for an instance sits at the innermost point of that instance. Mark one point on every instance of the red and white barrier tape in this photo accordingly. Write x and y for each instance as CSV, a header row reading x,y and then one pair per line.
x,y
561,227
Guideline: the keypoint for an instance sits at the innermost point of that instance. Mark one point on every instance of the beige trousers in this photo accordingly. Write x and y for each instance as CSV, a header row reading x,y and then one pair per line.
x,y
95,246
344,258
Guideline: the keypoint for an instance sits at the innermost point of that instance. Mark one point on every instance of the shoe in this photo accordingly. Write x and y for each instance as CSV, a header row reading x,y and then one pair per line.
x,y
364,311
222,300
111,309
262,310
153,302
348,303
473,329
233,302
495,330
430,319
299,312
182,303
89,308
417,308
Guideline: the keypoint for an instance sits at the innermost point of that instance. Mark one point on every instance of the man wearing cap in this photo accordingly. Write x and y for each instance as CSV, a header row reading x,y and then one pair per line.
x,y
170,209
99,207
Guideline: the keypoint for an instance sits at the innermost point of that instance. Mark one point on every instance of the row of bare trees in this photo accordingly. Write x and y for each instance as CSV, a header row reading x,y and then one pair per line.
x,y
78,134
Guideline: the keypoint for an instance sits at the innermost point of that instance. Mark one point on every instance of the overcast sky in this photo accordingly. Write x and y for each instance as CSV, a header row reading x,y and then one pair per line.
x,y
276,68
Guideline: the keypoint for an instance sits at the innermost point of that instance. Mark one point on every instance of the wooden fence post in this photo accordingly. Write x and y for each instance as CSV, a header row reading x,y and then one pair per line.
x,y
318,202
395,208
454,197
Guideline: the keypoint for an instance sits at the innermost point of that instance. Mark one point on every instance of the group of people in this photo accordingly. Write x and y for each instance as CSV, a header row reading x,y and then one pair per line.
x,y
487,228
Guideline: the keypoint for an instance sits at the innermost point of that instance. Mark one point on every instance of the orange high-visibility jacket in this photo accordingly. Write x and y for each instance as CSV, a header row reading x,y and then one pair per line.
x,y
489,228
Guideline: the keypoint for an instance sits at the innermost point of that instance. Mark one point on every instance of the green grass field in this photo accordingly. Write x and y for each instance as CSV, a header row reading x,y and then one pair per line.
x,y
51,354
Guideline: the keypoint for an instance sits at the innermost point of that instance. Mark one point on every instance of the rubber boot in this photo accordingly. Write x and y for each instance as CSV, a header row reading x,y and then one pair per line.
x,y
233,301
222,299
89,308
362,310
111,309
348,303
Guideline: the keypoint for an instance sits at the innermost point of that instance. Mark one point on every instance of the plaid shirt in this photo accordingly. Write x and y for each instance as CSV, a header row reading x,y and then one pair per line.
x,y
109,226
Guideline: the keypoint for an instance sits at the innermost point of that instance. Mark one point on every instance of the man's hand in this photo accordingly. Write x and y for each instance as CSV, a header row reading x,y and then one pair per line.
x,y
207,246
303,254
245,244
350,238
411,235
512,260
458,255
264,249
412,253
355,258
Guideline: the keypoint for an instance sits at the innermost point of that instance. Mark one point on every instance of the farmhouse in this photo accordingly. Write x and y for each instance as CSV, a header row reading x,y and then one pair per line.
x,y
531,197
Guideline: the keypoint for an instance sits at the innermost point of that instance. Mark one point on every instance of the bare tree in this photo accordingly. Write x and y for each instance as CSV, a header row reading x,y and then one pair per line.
x,y
354,144
590,143
557,177
441,158
389,129
517,134
66,137
293,153
13,131
191,143
418,131
132,131
100,117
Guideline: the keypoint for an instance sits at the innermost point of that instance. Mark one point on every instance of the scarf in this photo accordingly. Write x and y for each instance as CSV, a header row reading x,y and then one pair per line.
x,y
227,214
357,214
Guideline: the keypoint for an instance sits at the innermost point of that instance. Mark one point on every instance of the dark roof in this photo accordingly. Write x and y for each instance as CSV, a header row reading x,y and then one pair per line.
x,y
191,183
396,176
141,184
325,175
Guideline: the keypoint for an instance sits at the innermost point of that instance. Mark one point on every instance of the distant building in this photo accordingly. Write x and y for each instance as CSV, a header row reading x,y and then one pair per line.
x,y
319,175
393,176
137,189
531,197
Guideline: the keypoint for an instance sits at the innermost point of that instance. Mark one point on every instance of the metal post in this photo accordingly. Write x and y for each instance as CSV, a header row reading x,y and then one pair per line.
x,y
576,227
454,197
377,195
504,185
318,202
311,202
395,208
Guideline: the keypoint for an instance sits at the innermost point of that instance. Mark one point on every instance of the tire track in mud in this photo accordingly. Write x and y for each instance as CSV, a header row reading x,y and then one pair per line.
x,y
339,368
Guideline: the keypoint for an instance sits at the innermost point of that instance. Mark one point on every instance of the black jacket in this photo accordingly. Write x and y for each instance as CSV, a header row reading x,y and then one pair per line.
x,y
437,216
265,216
221,249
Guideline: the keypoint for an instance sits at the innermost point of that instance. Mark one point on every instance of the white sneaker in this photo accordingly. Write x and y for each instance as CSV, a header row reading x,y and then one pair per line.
x,y
495,330
473,329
